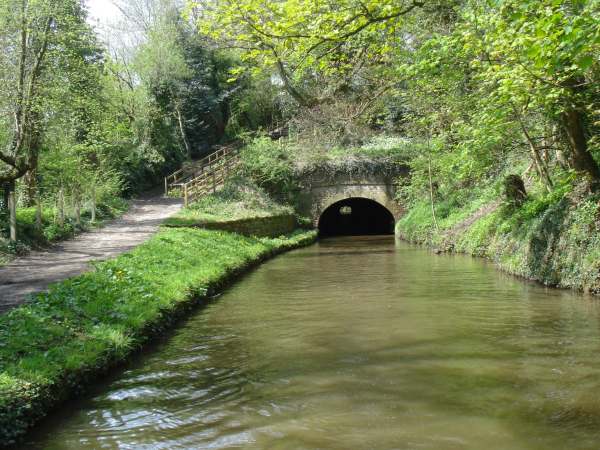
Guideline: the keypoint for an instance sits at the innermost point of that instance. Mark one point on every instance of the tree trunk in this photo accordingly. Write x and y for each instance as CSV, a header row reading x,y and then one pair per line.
x,y
6,192
540,165
581,158
38,212
12,207
30,192
61,208
77,207
93,219
431,196
188,149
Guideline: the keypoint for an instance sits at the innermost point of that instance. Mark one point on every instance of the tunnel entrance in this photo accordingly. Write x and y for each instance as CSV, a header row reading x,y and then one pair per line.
x,y
356,216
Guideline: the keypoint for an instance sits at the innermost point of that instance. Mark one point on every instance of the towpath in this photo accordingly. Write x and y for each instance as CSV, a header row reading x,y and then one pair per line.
x,y
34,272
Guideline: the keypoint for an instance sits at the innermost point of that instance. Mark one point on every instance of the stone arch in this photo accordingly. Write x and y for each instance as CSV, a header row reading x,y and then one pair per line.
x,y
356,216
325,196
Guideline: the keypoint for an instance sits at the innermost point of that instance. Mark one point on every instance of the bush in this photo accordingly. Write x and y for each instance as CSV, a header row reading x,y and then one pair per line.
x,y
271,165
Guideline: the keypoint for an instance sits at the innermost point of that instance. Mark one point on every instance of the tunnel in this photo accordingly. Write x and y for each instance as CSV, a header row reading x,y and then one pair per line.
x,y
356,216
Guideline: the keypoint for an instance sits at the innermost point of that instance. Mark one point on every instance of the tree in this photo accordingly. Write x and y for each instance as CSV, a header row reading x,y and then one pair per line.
x,y
34,37
542,55
186,79
302,37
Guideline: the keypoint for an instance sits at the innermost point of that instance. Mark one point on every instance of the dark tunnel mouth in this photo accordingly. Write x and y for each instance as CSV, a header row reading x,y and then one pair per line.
x,y
356,216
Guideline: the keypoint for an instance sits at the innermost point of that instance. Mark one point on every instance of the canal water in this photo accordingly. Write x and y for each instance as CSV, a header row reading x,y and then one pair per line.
x,y
358,343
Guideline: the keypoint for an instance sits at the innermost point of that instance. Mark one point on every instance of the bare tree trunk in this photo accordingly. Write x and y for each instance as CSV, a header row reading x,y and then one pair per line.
x,y
431,197
30,189
93,219
6,192
12,208
77,206
38,212
540,165
61,207
188,149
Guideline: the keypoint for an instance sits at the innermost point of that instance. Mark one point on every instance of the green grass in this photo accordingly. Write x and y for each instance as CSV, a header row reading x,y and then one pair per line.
x,y
239,199
49,347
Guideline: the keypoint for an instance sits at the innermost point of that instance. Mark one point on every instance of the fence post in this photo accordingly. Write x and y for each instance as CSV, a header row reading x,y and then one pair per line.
x,y
185,195
166,187
214,177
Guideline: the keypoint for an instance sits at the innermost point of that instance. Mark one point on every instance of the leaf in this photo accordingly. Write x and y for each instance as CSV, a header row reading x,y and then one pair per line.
x,y
585,62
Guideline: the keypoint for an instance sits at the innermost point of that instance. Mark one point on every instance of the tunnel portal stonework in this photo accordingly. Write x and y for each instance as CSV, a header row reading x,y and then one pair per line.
x,y
325,190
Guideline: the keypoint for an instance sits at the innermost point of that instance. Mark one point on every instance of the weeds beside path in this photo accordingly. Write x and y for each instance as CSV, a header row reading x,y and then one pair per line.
x,y
34,272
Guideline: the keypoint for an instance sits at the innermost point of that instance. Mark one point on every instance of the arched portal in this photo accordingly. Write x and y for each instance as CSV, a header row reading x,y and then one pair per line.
x,y
356,216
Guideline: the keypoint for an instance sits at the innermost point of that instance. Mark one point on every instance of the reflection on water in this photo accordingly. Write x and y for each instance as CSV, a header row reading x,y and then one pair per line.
x,y
359,343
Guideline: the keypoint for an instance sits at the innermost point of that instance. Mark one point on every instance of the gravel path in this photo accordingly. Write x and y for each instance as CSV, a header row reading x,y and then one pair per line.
x,y
34,272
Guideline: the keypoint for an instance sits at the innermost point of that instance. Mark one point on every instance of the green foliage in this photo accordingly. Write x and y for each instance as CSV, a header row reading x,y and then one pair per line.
x,y
90,124
51,346
553,237
258,106
475,86
393,148
271,165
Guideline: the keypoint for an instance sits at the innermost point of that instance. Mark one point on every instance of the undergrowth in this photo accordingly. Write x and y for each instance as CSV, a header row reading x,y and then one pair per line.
x,y
553,237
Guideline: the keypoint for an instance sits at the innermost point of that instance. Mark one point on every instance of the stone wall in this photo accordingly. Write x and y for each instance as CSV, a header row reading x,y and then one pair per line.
x,y
270,226
318,196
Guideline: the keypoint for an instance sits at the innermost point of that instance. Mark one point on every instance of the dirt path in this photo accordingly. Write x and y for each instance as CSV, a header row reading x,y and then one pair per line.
x,y
34,272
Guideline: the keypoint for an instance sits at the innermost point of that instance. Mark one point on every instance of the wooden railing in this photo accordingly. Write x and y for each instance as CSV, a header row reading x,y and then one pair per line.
x,y
206,176
177,179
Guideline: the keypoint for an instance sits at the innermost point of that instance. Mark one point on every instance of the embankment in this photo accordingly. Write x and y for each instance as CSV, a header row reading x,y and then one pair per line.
x,y
52,347
263,226
552,238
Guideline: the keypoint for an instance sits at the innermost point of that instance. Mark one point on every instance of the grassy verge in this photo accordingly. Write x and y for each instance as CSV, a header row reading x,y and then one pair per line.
x,y
32,237
54,345
553,237
238,199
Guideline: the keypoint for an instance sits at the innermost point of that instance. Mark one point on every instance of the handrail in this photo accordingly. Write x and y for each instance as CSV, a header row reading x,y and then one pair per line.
x,y
199,166
209,179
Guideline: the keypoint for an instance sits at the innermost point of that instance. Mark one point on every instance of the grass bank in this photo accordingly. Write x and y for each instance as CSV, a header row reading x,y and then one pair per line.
x,y
553,238
239,199
53,346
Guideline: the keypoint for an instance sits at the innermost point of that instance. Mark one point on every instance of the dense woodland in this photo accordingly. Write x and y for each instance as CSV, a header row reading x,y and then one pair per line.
x,y
84,123
476,97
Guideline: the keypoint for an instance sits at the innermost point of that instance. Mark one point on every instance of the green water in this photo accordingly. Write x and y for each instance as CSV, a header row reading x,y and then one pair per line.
x,y
358,343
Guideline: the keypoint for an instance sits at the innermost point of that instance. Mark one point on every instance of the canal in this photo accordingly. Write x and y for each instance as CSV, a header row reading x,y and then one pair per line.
x,y
358,343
